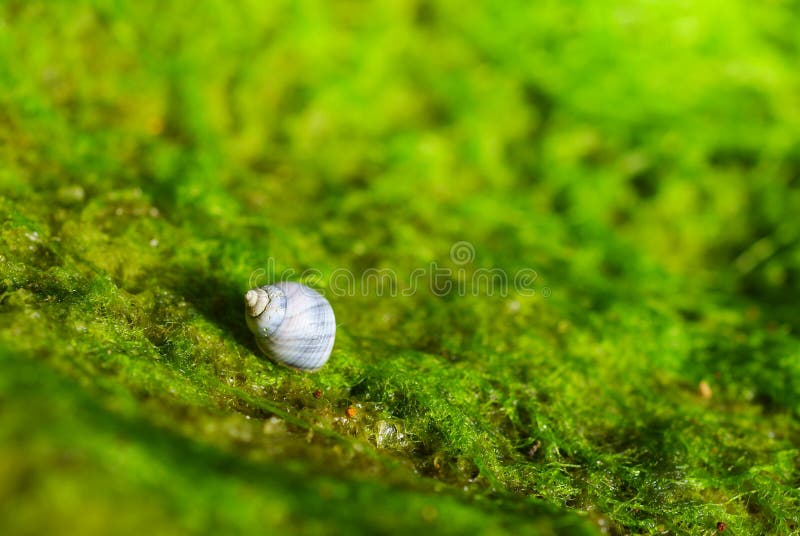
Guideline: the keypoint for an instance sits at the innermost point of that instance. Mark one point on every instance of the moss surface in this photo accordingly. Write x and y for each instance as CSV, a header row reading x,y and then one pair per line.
x,y
158,158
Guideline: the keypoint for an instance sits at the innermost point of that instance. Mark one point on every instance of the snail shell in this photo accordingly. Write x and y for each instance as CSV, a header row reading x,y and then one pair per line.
x,y
293,324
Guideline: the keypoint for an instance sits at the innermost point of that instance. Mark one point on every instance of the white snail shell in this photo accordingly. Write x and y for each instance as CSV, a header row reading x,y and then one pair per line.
x,y
293,324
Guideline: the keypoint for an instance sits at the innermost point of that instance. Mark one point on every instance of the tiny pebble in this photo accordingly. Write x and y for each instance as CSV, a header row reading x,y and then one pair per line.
x,y
534,448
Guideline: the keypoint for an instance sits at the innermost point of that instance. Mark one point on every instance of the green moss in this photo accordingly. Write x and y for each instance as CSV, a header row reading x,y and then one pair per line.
x,y
156,160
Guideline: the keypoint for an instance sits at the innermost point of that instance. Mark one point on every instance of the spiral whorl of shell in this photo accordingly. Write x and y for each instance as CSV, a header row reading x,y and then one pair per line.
x,y
293,324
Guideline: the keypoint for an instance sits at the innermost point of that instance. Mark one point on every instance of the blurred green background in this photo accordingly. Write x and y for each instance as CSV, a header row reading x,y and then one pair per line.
x,y
642,157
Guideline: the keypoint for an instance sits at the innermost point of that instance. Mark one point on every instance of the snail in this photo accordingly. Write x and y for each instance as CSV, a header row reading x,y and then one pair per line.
x,y
293,324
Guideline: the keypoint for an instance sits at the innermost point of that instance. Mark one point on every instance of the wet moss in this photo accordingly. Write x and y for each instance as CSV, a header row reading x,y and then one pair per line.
x,y
156,161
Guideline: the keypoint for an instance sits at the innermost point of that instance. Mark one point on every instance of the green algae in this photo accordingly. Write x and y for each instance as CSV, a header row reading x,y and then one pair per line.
x,y
641,159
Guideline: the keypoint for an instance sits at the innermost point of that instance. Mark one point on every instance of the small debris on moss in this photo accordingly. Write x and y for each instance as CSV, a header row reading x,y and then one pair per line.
x,y
705,390
534,448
